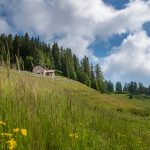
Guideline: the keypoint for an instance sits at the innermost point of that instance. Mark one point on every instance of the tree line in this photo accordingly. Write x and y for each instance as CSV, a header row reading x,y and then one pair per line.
x,y
133,88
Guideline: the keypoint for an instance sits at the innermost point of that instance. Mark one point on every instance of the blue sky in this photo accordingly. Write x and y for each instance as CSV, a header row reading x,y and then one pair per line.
x,y
146,27
102,48
113,33
117,4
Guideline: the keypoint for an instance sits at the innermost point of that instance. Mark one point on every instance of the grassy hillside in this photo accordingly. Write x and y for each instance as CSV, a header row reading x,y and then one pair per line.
x,y
61,114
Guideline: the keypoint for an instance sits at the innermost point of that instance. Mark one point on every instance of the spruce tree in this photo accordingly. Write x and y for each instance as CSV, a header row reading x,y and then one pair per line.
x,y
25,49
93,80
100,85
68,64
125,88
109,86
118,87
76,66
56,56
86,69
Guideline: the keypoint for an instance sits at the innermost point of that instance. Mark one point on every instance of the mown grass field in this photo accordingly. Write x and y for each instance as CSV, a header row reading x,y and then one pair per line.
x,y
61,114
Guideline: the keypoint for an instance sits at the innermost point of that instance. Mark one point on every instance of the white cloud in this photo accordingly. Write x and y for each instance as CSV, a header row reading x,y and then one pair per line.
x,y
4,27
129,19
130,61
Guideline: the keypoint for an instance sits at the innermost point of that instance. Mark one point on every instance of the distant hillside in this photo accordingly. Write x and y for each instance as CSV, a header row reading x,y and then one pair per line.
x,y
64,114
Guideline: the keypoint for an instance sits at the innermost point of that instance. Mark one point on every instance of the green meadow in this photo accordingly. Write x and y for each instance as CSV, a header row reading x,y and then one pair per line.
x,y
62,114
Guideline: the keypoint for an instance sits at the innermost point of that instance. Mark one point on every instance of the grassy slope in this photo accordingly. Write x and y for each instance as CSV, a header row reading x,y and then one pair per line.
x,y
64,114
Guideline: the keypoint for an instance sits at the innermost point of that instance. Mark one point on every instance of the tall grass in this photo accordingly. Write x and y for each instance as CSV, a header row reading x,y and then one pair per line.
x,y
60,114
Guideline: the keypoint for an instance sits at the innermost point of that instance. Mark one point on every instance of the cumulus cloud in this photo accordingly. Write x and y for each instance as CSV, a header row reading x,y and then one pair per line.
x,y
130,19
130,61
4,27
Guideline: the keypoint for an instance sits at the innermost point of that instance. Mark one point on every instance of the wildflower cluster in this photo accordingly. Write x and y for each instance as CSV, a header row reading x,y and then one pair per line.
x,y
16,130
11,143
2,123
22,131
7,135
74,136
10,137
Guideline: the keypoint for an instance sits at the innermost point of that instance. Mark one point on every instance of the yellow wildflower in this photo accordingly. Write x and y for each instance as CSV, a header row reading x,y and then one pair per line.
x,y
2,123
2,134
11,144
71,135
9,135
74,135
16,130
24,132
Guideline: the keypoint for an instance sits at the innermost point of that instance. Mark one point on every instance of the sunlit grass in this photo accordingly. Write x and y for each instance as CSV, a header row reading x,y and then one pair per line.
x,y
62,114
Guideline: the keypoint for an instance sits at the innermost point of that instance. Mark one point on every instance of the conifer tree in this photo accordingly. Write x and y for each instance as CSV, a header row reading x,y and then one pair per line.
x,y
100,85
132,88
16,46
86,69
125,88
25,50
56,56
76,66
109,86
10,45
93,80
68,64
141,88
118,87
